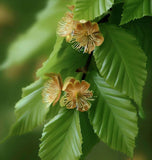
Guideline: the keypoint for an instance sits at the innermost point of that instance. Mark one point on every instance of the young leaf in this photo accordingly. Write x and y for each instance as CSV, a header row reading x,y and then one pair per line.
x,y
134,9
64,59
91,9
123,64
112,115
30,112
32,87
38,39
53,111
61,138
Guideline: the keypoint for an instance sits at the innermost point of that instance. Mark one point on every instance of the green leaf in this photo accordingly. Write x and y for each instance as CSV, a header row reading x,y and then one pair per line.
x,y
91,9
40,38
30,112
32,87
123,64
89,137
64,59
134,9
53,111
141,29
112,115
61,138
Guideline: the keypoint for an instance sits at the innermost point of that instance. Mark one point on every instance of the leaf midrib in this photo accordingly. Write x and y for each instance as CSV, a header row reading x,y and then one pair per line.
x,y
110,108
117,48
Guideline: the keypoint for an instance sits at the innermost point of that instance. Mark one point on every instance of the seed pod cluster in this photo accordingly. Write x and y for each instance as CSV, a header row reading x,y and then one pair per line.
x,y
84,35
76,94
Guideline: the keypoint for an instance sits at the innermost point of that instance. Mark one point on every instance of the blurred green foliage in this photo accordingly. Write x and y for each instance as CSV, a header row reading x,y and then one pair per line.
x,y
24,15
13,79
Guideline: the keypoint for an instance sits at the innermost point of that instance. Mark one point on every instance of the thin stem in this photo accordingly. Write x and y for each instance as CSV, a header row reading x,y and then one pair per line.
x,y
87,66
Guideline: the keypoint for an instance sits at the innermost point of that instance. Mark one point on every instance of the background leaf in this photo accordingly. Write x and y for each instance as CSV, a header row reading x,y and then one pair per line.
x,y
141,29
115,16
119,1
30,112
64,59
91,9
112,115
40,38
61,138
134,9
123,64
